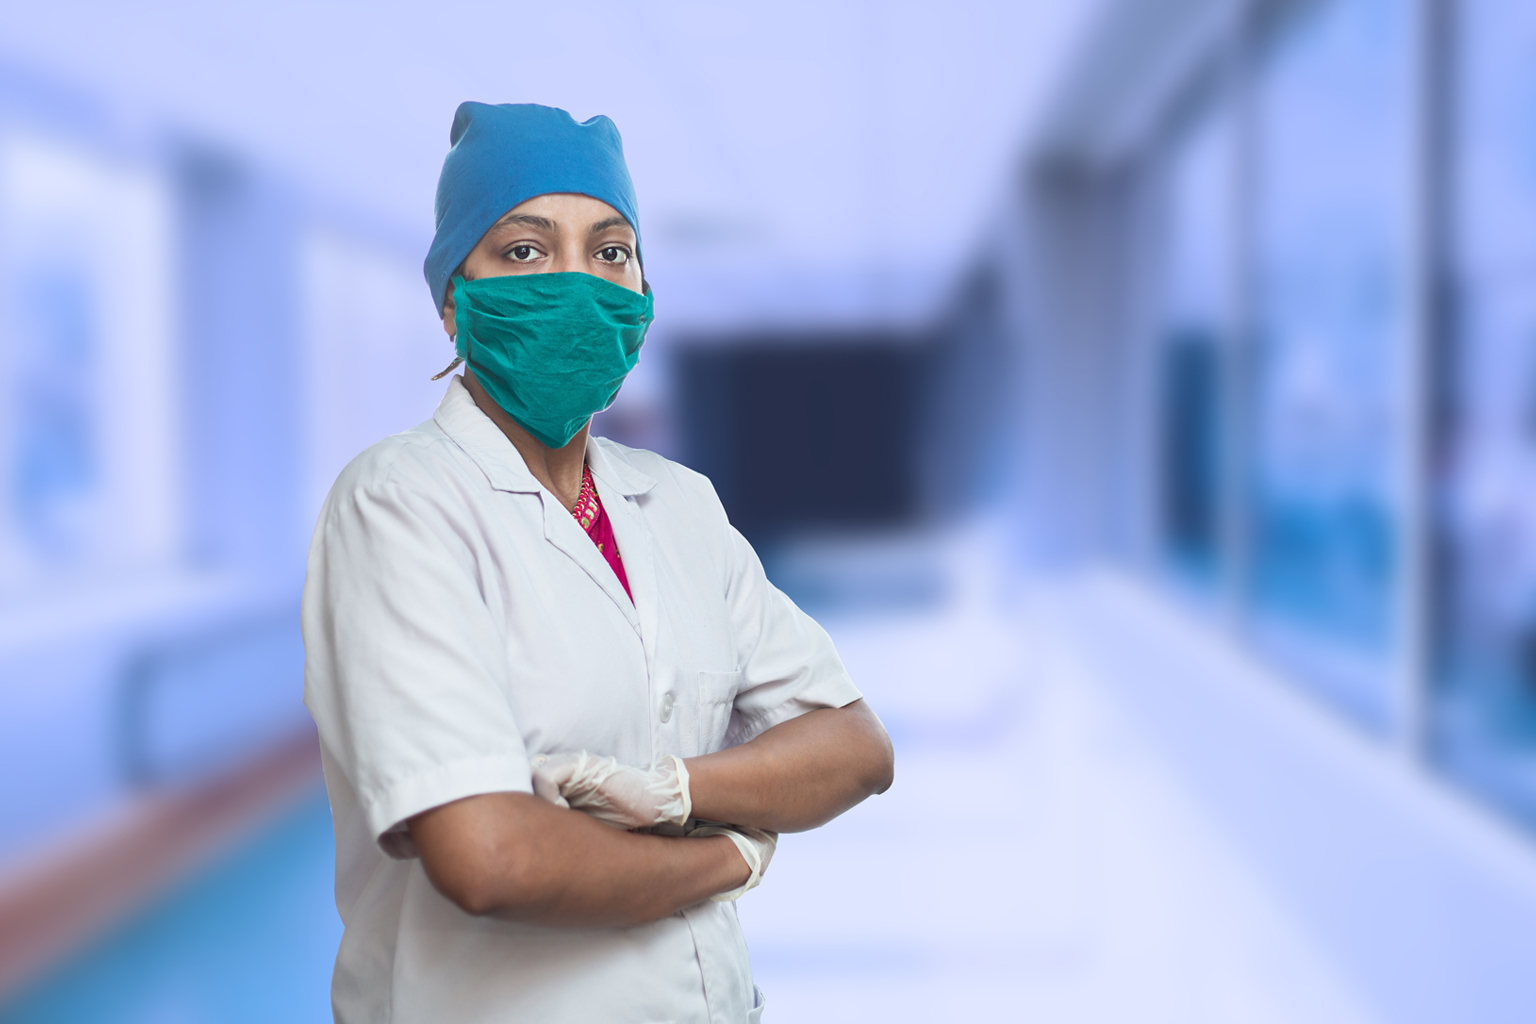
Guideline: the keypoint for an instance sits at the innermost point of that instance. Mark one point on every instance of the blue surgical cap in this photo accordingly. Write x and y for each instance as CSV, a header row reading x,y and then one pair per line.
x,y
503,154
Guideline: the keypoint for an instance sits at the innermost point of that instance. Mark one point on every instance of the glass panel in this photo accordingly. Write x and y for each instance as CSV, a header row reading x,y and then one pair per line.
x,y
87,453
1193,339
1330,342
1485,721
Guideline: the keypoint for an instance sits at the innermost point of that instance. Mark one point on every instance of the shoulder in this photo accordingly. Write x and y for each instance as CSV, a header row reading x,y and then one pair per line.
x,y
415,461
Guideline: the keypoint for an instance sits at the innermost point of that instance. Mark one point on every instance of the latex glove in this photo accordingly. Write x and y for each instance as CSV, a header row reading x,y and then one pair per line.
x,y
756,848
614,793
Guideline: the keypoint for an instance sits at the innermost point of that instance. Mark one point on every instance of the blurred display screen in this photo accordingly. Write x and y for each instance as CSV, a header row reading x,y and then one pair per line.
x,y
804,433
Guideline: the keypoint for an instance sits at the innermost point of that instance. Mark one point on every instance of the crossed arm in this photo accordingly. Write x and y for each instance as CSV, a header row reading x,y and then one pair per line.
x,y
517,857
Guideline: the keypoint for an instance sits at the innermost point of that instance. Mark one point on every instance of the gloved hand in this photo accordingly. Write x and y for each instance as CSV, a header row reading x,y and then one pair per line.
x,y
614,793
756,848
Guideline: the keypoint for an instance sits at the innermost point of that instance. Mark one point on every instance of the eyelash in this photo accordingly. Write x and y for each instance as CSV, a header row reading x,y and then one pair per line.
x,y
627,255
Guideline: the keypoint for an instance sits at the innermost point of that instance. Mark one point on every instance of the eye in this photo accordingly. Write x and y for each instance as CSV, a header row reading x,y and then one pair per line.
x,y
616,254
523,253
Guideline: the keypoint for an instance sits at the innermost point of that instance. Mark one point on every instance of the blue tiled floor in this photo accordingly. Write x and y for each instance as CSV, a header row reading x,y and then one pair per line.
x,y
249,939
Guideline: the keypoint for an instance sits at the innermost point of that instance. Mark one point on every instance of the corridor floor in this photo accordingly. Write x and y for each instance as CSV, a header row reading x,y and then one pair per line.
x,y
1035,860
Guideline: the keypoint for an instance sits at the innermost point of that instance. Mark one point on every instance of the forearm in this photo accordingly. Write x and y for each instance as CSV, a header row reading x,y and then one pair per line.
x,y
516,857
797,775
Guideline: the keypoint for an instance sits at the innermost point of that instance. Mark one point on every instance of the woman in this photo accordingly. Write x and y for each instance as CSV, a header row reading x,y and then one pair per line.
x,y
538,659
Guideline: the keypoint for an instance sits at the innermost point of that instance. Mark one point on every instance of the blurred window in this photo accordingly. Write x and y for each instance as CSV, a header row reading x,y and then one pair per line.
x,y
88,475
1193,343
374,342
1335,116
1485,728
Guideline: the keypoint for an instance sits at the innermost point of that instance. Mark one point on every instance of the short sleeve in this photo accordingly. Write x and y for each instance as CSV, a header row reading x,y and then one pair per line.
x,y
405,671
789,665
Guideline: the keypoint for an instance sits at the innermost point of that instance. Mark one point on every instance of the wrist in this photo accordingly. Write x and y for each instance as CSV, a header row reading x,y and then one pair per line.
x,y
734,871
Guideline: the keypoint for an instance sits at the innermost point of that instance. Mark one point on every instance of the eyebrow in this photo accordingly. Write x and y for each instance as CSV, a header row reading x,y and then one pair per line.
x,y
604,225
527,220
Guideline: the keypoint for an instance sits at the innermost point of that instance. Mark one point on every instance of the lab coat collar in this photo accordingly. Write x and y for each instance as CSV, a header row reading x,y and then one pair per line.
x,y
618,486
482,440
610,466
562,530
618,483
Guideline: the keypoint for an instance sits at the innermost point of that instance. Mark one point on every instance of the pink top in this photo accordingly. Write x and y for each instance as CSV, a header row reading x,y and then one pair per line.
x,y
591,516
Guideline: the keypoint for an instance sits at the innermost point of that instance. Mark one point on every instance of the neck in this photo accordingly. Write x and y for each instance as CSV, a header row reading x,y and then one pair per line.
x,y
558,469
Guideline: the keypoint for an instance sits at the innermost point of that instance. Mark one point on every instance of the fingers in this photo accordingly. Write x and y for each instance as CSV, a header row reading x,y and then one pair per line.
x,y
614,794
548,788
571,779
550,776
583,781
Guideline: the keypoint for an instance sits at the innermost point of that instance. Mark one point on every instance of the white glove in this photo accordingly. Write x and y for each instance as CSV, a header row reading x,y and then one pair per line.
x,y
614,793
756,848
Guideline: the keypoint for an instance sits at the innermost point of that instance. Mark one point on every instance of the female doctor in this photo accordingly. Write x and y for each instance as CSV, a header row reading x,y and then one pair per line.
x,y
539,659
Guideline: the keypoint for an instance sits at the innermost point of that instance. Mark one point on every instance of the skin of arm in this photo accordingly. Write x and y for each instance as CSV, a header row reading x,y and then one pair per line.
x,y
519,858
797,775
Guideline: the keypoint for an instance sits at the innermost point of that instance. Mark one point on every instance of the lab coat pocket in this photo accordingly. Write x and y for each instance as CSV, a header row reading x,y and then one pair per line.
x,y
717,696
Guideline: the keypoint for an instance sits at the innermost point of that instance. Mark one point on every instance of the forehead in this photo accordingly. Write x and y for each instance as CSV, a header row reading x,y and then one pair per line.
x,y
563,210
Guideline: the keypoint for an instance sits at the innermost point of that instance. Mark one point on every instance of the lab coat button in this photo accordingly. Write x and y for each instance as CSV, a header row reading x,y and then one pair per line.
x,y
666,709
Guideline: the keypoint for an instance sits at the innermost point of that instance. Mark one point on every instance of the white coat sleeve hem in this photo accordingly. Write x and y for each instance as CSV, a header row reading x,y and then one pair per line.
x,y
407,797
837,693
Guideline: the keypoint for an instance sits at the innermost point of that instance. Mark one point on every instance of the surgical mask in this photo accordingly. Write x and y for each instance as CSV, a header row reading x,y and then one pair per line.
x,y
550,349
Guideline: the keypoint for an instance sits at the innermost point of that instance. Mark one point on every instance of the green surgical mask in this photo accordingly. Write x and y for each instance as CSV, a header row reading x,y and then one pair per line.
x,y
550,349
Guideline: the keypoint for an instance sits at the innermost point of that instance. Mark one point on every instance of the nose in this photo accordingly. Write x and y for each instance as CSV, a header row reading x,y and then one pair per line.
x,y
571,257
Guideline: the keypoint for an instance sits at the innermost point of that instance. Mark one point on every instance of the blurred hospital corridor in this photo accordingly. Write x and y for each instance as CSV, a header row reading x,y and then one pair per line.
x,y
1141,393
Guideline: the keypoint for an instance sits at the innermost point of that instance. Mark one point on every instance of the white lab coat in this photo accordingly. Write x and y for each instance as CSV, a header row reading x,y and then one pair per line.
x,y
456,621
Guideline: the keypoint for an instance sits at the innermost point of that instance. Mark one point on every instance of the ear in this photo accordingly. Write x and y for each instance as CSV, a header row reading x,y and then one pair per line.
x,y
448,311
